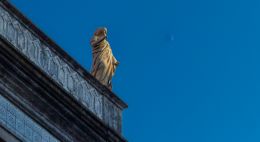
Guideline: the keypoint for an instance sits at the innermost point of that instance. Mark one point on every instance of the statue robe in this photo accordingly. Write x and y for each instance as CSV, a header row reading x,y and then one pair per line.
x,y
104,63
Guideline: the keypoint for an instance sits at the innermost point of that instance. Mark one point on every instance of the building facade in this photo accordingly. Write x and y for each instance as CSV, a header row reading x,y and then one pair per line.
x,y
45,95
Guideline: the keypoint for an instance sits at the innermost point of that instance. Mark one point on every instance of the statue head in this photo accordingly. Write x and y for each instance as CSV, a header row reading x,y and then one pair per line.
x,y
99,35
101,32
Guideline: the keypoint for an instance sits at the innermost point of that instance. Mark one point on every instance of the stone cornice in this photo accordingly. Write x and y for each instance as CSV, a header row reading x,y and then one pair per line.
x,y
32,91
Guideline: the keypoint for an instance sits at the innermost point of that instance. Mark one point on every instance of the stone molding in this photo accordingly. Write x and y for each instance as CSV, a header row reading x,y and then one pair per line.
x,y
21,125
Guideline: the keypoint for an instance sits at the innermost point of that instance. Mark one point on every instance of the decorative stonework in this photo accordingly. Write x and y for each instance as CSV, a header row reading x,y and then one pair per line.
x,y
42,55
21,125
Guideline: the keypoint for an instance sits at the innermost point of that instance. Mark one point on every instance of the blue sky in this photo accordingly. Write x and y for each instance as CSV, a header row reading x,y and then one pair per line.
x,y
189,69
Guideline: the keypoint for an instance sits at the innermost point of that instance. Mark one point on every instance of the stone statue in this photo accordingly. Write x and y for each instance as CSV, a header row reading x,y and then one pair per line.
x,y
104,63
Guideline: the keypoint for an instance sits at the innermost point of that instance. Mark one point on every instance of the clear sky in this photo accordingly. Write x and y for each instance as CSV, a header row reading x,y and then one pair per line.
x,y
189,69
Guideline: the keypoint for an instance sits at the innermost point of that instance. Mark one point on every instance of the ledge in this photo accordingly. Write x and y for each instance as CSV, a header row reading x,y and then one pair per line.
x,y
31,90
6,136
